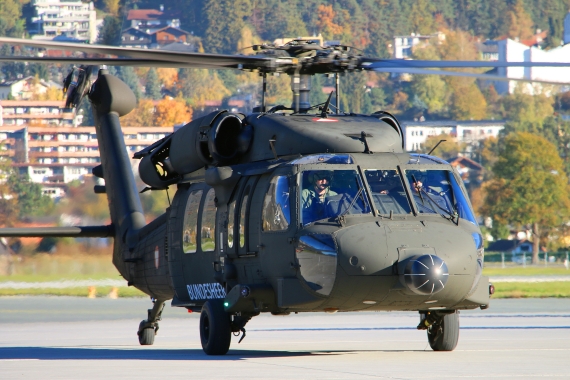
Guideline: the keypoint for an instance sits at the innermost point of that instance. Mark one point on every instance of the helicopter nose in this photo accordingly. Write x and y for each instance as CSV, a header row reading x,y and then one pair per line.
x,y
426,274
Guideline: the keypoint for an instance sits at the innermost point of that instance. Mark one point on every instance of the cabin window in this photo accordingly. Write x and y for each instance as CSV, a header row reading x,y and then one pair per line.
x,y
242,218
231,218
438,192
189,233
276,207
208,226
387,192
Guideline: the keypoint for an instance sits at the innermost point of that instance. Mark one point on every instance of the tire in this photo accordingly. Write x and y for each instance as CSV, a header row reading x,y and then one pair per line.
x,y
146,336
215,330
444,334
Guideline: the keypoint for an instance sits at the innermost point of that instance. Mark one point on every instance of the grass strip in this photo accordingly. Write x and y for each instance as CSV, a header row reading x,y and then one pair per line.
x,y
103,291
528,271
556,289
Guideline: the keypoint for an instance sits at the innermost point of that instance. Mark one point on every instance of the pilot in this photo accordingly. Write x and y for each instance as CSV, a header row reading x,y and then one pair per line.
x,y
381,182
313,198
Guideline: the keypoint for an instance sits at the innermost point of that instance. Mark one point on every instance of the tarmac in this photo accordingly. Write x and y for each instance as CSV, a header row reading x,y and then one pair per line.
x,y
72,338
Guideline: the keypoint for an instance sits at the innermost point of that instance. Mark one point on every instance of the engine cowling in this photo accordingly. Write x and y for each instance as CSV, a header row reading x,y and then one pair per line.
x,y
219,138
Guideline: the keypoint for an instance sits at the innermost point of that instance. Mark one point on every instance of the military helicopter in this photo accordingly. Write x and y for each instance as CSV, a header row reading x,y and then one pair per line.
x,y
301,208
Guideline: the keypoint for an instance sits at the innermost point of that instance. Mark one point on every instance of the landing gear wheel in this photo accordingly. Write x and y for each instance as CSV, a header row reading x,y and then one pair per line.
x,y
215,330
444,334
146,335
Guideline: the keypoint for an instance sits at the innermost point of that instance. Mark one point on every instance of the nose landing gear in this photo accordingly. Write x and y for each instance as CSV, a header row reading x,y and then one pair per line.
x,y
442,329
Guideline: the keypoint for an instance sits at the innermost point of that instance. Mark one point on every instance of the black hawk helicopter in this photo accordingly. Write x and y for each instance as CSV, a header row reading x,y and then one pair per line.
x,y
289,209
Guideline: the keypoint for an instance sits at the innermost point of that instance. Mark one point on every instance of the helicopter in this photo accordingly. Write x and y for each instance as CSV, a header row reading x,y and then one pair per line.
x,y
300,208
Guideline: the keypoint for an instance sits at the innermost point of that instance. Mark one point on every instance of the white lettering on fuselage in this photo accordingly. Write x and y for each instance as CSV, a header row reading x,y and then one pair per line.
x,y
206,291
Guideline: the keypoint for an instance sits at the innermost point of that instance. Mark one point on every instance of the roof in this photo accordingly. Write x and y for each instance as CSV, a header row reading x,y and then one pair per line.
x,y
536,39
465,162
144,14
454,123
151,14
31,103
506,245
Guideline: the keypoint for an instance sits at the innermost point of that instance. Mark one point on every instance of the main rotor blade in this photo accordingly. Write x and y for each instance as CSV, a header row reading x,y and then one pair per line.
x,y
462,74
422,64
209,60
107,61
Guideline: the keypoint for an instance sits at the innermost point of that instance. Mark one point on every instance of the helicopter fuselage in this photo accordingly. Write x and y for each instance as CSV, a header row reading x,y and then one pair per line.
x,y
259,242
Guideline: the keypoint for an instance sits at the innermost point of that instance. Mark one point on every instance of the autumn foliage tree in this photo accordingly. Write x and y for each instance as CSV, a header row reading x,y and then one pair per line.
x,y
170,112
530,187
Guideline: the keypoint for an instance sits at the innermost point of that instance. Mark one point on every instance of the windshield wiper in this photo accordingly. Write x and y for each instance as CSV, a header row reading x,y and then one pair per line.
x,y
351,204
452,216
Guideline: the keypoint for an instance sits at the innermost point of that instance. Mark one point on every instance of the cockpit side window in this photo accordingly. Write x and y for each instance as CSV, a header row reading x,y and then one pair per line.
x,y
438,192
276,205
387,191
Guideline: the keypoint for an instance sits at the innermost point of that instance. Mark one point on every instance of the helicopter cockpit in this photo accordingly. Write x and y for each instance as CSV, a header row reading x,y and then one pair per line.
x,y
331,185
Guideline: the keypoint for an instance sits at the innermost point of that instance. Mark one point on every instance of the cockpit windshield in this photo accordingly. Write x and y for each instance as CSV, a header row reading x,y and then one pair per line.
x,y
437,191
332,193
387,192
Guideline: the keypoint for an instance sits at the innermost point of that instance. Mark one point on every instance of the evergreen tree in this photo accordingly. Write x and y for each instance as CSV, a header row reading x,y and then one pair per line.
x,y
127,74
152,88
110,32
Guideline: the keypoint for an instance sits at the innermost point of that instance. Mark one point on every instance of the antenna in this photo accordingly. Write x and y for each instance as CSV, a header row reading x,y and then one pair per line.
x,y
326,106
337,88
263,91
436,145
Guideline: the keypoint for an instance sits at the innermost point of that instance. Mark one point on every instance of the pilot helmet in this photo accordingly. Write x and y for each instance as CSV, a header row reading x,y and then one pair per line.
x,y
321,174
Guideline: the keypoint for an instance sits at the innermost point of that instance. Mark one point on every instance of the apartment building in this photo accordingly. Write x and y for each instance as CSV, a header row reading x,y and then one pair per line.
x,y
55,156
37,113
468,131
67,20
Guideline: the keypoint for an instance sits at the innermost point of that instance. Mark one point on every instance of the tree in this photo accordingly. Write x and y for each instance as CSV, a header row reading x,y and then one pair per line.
x,y
431,89
519,22
326,24
127,74
170,112
422,18
530,186
31,201
110,32
142,116
112,6
446,150
11,22
9,208
152,88
199,85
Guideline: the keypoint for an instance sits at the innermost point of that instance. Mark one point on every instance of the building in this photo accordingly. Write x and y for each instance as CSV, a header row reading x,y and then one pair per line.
x,y
471,172
71,20
26,88
514,51
402,46
468,131
36,113
150,20
55,156
156,38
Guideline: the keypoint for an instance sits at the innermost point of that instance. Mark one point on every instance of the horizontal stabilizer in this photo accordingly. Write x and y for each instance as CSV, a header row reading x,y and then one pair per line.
x,y
74,231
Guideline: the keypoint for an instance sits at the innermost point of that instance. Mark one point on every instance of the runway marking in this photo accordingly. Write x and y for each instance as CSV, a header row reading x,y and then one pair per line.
x,y
412,328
